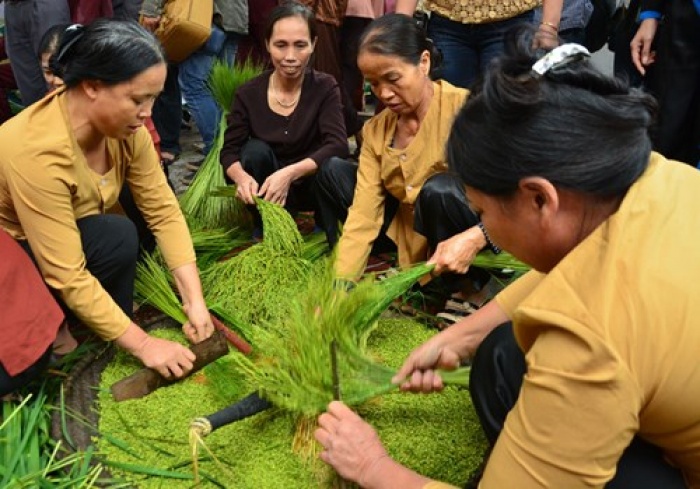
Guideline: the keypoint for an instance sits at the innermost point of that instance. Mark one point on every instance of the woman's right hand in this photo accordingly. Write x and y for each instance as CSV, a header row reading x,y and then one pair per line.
x,y
246,187
642,55
168,358
418,372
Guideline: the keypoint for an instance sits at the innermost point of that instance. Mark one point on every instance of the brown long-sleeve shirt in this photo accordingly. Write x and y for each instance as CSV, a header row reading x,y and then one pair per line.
x,y
314,130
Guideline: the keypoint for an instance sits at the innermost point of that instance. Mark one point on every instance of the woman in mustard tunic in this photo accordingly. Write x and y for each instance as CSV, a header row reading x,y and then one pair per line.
x,y
63,163
401,186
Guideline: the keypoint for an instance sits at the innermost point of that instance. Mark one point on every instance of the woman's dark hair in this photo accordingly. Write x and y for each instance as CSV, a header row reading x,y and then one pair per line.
x,y
111,51
399,35
51,39
291,9
579,129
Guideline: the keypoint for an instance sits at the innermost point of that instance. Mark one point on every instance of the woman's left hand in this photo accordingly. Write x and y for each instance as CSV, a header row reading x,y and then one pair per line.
x,y
456,254
199,326
276,187
350,445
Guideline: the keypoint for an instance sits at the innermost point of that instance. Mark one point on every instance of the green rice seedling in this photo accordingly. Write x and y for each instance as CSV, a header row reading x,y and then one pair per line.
x,y
255,284
258,283
315,246
152,286
279,228
502,261
29,457
293,366
212,244
224,80
200,209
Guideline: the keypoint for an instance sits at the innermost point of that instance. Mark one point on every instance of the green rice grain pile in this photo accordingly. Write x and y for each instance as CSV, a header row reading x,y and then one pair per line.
x,y
437,435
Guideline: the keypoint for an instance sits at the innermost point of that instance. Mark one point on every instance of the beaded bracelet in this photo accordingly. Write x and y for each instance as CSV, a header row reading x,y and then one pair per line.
x,y
495,249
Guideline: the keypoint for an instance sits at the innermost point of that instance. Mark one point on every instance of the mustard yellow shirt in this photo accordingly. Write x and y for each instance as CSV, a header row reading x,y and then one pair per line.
x,y
399,172
612,342
46,185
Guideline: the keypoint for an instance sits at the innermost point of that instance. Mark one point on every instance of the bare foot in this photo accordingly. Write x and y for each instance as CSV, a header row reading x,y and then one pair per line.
x,y
64,342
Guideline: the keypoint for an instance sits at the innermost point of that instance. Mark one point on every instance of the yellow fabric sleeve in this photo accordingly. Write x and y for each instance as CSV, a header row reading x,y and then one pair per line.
x,y
158,204
366,214
510,297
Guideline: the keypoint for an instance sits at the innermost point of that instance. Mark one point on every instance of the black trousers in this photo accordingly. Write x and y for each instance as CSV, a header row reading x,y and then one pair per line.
x,y
259,161
441,209
495,380
10,384
111,246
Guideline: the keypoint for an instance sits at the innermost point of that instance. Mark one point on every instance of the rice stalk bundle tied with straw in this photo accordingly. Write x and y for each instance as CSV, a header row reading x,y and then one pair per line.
x,y
258,283
200,209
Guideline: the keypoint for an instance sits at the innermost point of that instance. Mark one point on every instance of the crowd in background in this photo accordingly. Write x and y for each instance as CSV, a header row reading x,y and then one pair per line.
x,y
655,44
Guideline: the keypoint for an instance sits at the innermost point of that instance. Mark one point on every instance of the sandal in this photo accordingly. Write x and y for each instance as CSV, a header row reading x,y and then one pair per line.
x,y
455,310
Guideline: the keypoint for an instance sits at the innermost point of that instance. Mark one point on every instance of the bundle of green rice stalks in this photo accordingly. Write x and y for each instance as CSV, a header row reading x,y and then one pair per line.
x,y
153,286
293,367
212,244
258,283
200,209
501,261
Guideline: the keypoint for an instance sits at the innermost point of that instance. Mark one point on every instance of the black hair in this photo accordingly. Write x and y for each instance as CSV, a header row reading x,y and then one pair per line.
x,y
291,9
579,129
111,51
399,35
51,39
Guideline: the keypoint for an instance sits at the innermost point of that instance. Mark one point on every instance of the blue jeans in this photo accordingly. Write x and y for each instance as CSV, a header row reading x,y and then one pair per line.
x,y
467,49
194,82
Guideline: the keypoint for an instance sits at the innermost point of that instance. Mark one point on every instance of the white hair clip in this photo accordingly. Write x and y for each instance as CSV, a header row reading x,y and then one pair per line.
x,y
560,56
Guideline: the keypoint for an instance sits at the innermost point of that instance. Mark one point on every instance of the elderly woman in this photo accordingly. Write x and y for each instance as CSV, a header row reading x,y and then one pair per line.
x,y
596,383
65,160
401,187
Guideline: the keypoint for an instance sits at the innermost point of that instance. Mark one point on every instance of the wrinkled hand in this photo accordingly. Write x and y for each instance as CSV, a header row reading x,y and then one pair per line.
x,y
350,445
642,55
150,23
199,326
418,372
246,188
276,187
455,254
170,359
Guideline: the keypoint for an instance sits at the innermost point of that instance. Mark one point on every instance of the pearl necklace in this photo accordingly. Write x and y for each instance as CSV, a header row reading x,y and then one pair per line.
x,y
275,95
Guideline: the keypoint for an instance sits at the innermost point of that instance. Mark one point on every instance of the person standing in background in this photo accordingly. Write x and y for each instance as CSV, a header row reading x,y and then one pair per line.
x,y
358,15
190,78
25,24
562,20
470,34
328,56
675,47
